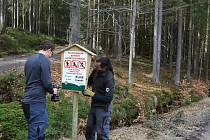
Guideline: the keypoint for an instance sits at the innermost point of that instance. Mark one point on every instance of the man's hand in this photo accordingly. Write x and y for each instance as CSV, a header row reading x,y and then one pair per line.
x,y
55,95
55,91
88,93
56,88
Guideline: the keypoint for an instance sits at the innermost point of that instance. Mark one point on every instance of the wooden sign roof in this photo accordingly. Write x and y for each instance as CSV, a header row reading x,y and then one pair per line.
x,y
79,46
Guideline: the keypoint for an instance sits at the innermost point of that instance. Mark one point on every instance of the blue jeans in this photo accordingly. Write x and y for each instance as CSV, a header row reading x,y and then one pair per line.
x,y
36,117
98,121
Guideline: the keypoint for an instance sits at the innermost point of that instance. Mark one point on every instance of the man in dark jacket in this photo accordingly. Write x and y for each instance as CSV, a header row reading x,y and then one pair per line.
x,y
102,82
38,82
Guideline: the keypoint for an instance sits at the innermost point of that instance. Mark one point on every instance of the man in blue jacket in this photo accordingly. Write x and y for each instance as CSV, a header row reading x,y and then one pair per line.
x,y
38,82
102,82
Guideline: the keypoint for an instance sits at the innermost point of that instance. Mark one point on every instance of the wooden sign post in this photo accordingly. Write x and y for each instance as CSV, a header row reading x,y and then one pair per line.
x,y
75,67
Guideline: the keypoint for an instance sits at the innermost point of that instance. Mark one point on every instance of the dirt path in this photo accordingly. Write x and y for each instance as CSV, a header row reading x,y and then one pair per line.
x,y
187,123
11,63
17,62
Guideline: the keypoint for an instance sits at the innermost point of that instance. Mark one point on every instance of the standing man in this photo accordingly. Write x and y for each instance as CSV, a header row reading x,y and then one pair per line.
x,y
102,82
38,82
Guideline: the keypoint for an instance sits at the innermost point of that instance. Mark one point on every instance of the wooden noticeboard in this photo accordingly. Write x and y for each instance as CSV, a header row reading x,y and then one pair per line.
x,y
75,68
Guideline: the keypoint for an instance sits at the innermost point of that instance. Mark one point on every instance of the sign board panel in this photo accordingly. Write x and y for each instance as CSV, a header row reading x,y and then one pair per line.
x,y
74,70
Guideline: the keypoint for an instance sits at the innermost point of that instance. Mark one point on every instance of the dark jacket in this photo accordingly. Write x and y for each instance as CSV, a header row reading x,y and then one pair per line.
x,y
38,79
103,86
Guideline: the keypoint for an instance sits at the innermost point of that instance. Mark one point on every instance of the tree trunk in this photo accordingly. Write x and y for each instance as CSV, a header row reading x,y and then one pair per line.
x,y
151,38
119,44
17,14
115,34
207,45
14,14
94,25
179,48
157,41
1,15
190,46
12,20
54,26
67,35
75,22
23,15
97,32
132,40
39,18
88,26
201,59
36,15
196,54
30,17
48,21
156,22
164,51
171,49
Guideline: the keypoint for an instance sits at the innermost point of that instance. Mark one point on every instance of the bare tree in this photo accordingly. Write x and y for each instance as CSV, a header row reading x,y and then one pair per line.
x,y
97,31
75,22
119,44
207,47
189,65
39,16
14,13
23,14
132,40
49,15
157,40
54,24
201,58
89,26
94,23
179,48
17,12
30,16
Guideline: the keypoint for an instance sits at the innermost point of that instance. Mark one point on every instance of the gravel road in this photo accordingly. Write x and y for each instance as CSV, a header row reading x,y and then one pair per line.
x,y
17,62
187,123
12,62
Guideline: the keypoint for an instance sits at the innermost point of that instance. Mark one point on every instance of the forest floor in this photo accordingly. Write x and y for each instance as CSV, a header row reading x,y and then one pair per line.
x,y
185,123
191,122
